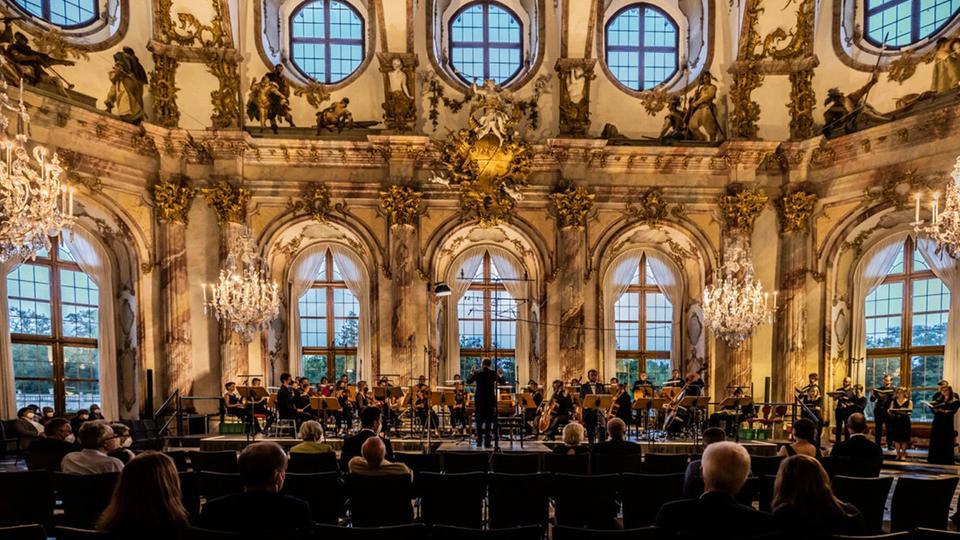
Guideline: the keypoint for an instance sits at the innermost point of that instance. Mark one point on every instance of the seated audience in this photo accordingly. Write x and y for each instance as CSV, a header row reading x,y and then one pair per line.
x,y
146,502
572,441
372,461
616,443
124,442
716,513
369,427
27,427
82,416
693,477
46,415
311,432
97,440
804,504
261,507
47,452
95,413
857,446
804,440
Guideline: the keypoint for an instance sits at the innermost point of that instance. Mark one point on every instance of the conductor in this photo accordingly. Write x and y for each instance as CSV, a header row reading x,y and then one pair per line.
x,y
485,399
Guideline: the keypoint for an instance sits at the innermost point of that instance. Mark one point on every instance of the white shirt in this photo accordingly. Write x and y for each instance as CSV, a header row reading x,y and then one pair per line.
x,y
89,461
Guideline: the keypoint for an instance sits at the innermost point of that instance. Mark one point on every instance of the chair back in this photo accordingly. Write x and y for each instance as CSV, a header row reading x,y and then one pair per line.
x,y
190,494
445,532
921,533
26,497
643,495
179,458
323,491
765,465
313,463
765,492
395,532
748,492
466,462
575,464
515,463
224,461
454,499
868,495
858,467
616,463
572,533
71,533
419,463
665,463
206,534
586,501
377,501
23,532
921,502
519,500
84,496
211,485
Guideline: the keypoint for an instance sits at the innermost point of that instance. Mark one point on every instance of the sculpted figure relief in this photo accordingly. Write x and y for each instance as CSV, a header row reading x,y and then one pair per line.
x,y
127,79
21,61
946,65
847,113
269,99
702,120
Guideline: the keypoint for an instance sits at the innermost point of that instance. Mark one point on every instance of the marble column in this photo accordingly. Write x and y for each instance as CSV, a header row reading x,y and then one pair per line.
x,y
403,311
570,263
175,308
233,349
790,339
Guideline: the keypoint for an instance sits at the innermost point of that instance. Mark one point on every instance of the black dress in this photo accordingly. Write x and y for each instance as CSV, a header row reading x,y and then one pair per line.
x,y
942,434
900,426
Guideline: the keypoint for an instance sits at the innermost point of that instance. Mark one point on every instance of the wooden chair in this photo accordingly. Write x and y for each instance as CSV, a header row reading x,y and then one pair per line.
x,y
921,502
869,495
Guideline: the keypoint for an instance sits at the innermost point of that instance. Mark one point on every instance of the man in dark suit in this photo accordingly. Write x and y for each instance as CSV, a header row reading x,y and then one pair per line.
x,y
485,399
369,427
857,449
617,443
47,452
590,415
716,513
261,507
287,401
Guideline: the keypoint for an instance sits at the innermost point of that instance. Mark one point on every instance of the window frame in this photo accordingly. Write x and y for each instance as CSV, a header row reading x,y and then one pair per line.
x,y
486,44
45,16
331,350
488,286
642,354
56,340
640,49
326,41
915,38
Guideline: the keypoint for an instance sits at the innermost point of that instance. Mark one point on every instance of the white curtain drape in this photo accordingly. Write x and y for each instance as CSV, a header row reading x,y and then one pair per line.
x,y
8,407
465,266
303,272
93,259
512,272
355,277
946,268
670,284
871,271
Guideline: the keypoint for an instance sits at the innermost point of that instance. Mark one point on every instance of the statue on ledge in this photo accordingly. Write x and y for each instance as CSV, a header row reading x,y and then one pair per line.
x,y
269,99
847,113
21,61
127,79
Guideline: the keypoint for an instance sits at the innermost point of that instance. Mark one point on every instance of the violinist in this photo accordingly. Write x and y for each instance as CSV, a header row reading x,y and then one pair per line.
x,y
559,409
732,415
622,404
391,407
302,396
642,387
675,381
364,399
345,416
325,387
421,404
458,411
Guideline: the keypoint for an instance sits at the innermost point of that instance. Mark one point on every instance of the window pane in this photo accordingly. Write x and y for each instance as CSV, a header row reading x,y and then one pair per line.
x,y
327,40
658,370
883,308
38,393
931,303
62,12
82,394
81,363
80,297
28,291
347,332
925,373
628,370
659,336
509,366
488,49
876,368
467,363
313,322
32,361
628,336
347,364
642,47
314,366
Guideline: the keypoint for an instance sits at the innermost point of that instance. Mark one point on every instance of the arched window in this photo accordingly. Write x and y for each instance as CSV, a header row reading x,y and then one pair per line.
x,y
53,310
898,23
488,322
63,13
486,43
329,325
642,46
644,328
326,40
906,328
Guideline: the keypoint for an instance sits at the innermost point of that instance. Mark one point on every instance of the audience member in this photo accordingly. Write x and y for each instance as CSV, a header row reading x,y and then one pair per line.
x,y
27,427
573,434
124,442
46,415
693,477
261,507
617,442
369,427
47,452
804,440
146,502
311,432
372,461
83,415
717,513
857,446
95,413
97,440
804,504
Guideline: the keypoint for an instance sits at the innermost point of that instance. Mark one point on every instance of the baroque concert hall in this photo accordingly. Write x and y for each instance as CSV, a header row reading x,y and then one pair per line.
x,y
479,269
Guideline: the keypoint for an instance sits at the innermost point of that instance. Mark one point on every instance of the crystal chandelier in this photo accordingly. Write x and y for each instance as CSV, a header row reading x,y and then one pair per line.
x,y
244,297
34,204
944,228
735,304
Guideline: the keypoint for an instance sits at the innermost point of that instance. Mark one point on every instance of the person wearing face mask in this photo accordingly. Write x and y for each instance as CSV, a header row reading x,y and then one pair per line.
x,y
125,441
47,452
46,415
95,413
27,427
83,415
97,440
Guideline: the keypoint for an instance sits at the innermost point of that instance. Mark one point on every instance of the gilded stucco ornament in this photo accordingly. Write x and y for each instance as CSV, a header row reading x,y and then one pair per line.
x,y
893,185
189,31
795,210
575,75
572,205
801,104
315,93
163,87
228,200
172,197
226,98
745,112
800,35
402,205
649,207
741,208
316,202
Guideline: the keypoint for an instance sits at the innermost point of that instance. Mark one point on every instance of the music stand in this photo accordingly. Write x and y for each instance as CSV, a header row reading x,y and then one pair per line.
x,y
446,401
261,393
325,404
600,403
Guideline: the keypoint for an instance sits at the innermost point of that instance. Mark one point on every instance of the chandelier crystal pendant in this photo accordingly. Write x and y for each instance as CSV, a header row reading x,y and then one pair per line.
x,y
34,204
944,227
735,304
244,297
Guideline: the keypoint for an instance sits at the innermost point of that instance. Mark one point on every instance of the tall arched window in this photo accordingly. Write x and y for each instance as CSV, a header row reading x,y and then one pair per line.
x,y
329,325
326,40
644,328
486,42
62,13
898,23
642,46
488,322
53,310
906,328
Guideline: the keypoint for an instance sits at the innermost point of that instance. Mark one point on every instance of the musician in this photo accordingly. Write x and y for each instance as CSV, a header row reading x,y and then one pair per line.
x,y
732,415
846,403
326,389
421,404
286,401
560,408
812,398
675,380
259,403
695,385
485,399
901,407
233,402
881,397
859,400
344,416
642,387
458,411
302,395
363,399
590,415
622,406
945,404
391,410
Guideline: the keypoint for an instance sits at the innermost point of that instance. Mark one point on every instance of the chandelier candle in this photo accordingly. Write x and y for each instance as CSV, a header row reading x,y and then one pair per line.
x,y
944,228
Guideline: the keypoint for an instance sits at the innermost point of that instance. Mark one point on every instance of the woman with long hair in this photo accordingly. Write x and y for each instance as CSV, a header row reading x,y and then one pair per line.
x,y
901,429
804,440
804,504
147,499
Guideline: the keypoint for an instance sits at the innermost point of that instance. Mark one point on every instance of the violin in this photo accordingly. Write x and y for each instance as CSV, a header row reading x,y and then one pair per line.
x,y
615,405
